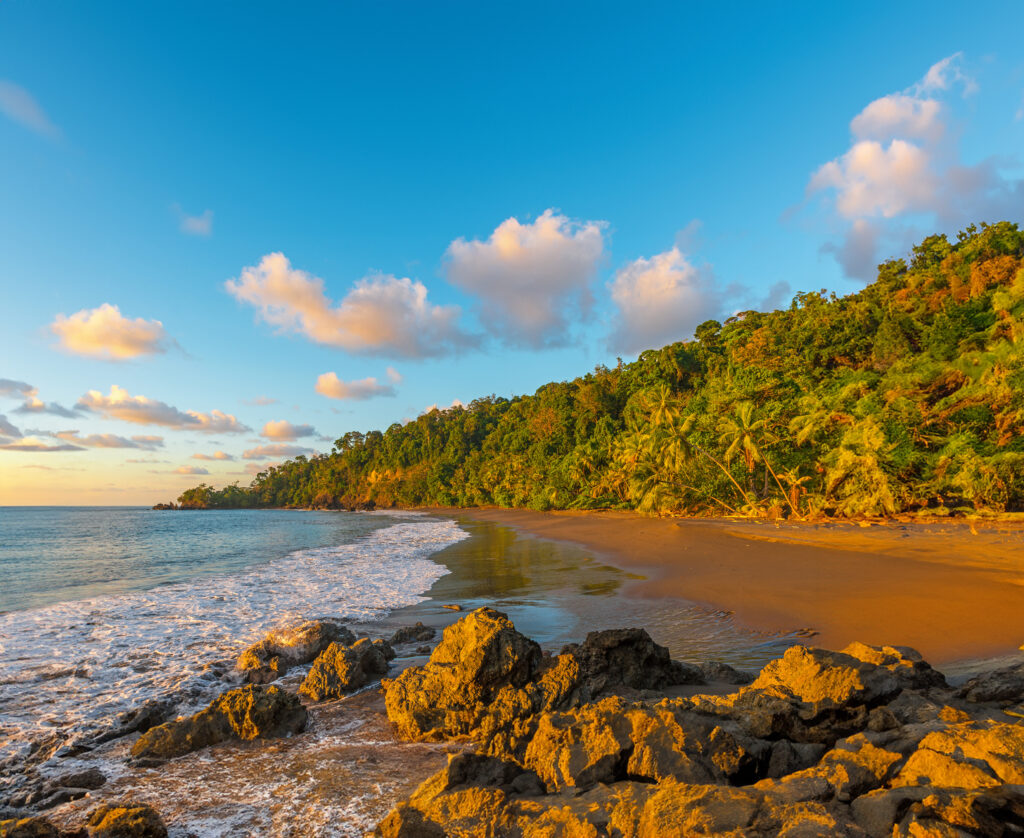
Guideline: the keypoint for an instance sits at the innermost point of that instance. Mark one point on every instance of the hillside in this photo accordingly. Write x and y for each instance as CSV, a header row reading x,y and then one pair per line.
x,y
906,396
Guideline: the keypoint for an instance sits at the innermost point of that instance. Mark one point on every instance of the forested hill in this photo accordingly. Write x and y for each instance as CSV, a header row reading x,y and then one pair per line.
x,y
908,395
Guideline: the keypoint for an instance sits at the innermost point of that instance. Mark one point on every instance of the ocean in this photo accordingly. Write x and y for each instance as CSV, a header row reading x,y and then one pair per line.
x,y
106,609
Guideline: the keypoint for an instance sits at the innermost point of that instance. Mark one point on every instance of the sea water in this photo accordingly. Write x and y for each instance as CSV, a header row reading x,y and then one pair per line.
x,y
106,609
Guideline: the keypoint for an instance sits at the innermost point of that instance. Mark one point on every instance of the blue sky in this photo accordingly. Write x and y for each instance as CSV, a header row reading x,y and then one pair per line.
x,y
524,191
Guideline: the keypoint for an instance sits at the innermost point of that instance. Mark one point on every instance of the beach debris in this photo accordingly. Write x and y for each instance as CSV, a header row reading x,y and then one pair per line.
x,y
341,669
249,712
867,741
125,820
284,648
413,634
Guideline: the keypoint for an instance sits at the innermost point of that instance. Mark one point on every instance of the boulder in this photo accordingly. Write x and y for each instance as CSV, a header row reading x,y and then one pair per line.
x,y
484,676
125,820
477,656
341,669
284,648
971,756
418,633
1005,684
627,658
249,712
28,828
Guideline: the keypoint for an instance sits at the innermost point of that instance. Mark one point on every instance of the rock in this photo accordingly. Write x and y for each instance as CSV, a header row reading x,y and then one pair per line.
x,y
341,669
250,712
28,828
716,672
989,812
477,656
967,756
1002,685
484,675
453,607
284,648
413,634
87,778
628,658
125,820
815,695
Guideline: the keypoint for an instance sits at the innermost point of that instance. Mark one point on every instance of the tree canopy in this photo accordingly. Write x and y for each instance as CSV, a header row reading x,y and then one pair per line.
x,y
906,396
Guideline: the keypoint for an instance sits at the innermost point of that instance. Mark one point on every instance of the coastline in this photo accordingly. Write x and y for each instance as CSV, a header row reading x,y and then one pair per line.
x,y
953,592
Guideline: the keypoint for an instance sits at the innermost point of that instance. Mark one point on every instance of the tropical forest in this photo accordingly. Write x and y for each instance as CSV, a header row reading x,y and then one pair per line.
x,y
906,397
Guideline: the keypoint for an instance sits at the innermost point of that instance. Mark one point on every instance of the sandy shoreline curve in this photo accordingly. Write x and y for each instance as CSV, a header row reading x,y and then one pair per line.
x,y
952,591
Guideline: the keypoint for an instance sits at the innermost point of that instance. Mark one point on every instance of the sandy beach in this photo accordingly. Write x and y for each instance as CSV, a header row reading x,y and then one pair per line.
x,y
953,591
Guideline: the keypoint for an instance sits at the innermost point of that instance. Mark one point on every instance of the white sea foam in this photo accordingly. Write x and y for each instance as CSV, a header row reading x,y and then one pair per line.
x,y
70,669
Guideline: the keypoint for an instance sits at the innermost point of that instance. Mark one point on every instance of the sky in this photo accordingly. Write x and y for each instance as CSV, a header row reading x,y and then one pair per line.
x,y
230,233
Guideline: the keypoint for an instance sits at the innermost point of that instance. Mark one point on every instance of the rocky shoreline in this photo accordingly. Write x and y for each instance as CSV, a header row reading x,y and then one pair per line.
x,y
611,737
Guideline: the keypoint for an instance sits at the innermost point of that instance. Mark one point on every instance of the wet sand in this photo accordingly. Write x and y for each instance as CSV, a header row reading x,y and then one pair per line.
x,y
954,592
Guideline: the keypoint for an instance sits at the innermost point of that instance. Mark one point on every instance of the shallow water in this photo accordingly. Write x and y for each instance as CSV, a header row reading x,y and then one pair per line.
x,y
345,772
70,669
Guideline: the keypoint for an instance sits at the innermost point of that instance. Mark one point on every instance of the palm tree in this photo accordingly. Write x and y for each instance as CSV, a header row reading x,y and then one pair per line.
x,y
740,433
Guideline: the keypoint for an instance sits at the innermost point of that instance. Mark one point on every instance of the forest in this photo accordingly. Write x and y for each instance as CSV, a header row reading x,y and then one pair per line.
x,y
905,397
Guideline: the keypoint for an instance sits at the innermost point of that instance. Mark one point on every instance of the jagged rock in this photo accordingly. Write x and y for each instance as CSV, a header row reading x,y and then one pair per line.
x,y
125,820
815,695
1005,684
250,712
484,675
855,766
87,778
967,756
477,656
629,658
713,672
869,741
284,648
413,634
341,669
613,740
28,828
991,812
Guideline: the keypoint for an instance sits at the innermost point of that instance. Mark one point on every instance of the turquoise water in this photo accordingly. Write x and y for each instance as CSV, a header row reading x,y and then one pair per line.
x,y
53,554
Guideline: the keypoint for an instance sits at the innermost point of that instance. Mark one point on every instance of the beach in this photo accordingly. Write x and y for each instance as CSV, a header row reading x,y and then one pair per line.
x,y
954,595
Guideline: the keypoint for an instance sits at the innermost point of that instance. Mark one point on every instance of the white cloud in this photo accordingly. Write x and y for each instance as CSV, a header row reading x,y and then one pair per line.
x,y
35,405
872,179
216,455
285,431
260,401
105,333
661,300
18,389
381,315
7,429
194,225
255,468
902,177
18,104
529,276
265,452
431,408
148,443
190,470
35,445
145,411
332,387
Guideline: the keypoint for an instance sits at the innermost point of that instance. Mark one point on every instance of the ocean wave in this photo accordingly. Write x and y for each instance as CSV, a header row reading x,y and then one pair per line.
x,y
68,671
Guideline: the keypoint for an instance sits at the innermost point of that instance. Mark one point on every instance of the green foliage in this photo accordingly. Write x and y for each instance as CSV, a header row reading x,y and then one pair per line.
x,y
908,395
